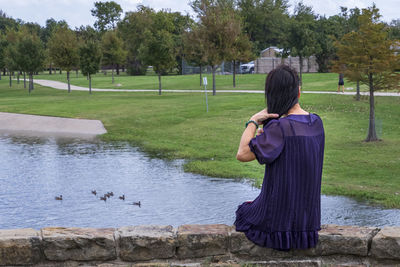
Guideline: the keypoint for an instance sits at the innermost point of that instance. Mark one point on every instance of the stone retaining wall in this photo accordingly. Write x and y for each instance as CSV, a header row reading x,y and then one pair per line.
x,y
192,245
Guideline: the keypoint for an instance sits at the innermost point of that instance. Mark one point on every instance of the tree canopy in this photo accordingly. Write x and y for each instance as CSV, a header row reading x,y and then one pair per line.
x,y
108,14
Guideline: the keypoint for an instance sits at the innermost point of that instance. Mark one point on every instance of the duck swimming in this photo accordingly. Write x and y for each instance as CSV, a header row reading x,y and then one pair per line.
x,y
59,198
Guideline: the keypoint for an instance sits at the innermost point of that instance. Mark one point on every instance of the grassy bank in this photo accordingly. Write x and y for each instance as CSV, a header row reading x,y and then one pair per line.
x,y
177,126
311,81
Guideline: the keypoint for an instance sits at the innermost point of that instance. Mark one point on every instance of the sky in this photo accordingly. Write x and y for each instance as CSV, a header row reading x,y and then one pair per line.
x,y
77,12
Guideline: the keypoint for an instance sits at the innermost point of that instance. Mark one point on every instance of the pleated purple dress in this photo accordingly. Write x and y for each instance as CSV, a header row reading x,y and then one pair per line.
x,y
287,213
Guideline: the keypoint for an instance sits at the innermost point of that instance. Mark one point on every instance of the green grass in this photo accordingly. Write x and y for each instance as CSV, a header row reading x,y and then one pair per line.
x,y
177,126
311,81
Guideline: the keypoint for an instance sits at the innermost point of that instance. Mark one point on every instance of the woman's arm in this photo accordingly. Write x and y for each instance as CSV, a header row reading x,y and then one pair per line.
x,y
244,153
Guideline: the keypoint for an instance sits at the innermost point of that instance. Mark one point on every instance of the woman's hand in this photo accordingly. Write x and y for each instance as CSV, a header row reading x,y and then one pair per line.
x,y
262,116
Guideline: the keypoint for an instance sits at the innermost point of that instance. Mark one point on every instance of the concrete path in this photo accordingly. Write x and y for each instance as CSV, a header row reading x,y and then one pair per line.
x,y
64,86
46,125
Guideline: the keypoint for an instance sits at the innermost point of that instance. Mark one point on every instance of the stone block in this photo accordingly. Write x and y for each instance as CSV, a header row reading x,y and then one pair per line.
x,y
196,241
386,244
343,240
78,244
146,242
240,246
19,247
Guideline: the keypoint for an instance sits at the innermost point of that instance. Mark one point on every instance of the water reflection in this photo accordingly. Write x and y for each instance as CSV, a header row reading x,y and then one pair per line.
x,y
35,170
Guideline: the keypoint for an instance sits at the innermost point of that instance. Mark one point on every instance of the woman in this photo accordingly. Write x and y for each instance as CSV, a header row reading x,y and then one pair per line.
x,y
287,212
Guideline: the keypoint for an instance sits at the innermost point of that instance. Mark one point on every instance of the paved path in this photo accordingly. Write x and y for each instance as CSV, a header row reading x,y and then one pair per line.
x,y
64,86
46,125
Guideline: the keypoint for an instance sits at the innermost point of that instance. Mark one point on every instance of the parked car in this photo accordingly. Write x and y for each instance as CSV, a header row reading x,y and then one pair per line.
x,y
247,68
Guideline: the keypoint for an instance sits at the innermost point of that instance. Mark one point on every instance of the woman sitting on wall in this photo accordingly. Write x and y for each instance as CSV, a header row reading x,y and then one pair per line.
x,y
287,213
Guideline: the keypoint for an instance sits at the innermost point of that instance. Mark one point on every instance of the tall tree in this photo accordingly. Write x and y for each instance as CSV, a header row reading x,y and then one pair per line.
x,y
89,59
242,52
46,33
394,29
194,50
158,49
10,53
220,27
113,51
108,14
133,31
63,50
266,21
30,51
301,39
368,55
3,45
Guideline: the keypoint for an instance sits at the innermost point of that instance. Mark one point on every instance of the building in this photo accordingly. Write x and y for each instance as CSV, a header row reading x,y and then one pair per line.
x,y
271,57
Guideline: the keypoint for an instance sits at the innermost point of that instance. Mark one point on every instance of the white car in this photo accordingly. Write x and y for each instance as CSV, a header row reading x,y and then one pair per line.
x,y
247,68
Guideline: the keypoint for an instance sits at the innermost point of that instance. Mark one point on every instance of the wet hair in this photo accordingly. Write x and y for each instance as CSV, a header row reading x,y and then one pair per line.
x,y
281,90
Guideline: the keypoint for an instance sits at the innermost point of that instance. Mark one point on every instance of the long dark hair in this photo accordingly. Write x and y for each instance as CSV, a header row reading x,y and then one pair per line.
x,y
281,90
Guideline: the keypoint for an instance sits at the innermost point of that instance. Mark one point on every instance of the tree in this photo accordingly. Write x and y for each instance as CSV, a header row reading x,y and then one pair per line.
x,y
89,57
158,49
46,33
3,46
242,52
113,52
265,21
301,39
10,53
219,27
63,50
194,49
368,55
30,51
394,29
107,14
133,31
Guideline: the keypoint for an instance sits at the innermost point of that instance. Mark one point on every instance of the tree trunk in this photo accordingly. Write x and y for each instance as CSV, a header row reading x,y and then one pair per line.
x,y
4,72
358,91
77,73
69,84
159,83
24,80
60,71
214,69
10,79
201,74
117,69
112,74
301,70
234,73
0,75
33,85
371,129
50,70
18,77
90,84
30,83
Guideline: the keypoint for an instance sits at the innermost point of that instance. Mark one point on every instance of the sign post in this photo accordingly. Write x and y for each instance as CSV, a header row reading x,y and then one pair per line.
x,y
205,90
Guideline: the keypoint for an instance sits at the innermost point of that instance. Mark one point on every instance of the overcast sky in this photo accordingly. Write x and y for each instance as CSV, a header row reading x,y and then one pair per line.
x,y
77,12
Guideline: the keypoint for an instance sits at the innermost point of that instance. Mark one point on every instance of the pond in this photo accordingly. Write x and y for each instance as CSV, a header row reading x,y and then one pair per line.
x,y
33,171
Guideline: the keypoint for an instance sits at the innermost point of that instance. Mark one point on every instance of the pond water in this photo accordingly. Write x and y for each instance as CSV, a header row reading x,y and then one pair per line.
x,y
35,170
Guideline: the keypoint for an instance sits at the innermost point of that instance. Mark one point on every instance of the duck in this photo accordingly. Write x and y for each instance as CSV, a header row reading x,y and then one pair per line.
x,y
94,192
59,198
103,198
110,193
122,197
137,204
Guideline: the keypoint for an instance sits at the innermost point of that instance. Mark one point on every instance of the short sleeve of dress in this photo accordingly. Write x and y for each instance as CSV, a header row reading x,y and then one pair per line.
x,y
268,145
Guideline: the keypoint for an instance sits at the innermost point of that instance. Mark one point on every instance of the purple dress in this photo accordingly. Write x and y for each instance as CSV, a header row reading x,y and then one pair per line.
x,y
287,213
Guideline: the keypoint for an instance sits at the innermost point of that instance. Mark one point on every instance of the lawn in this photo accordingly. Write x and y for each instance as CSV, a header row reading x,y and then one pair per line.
x,y
311,81
176,126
